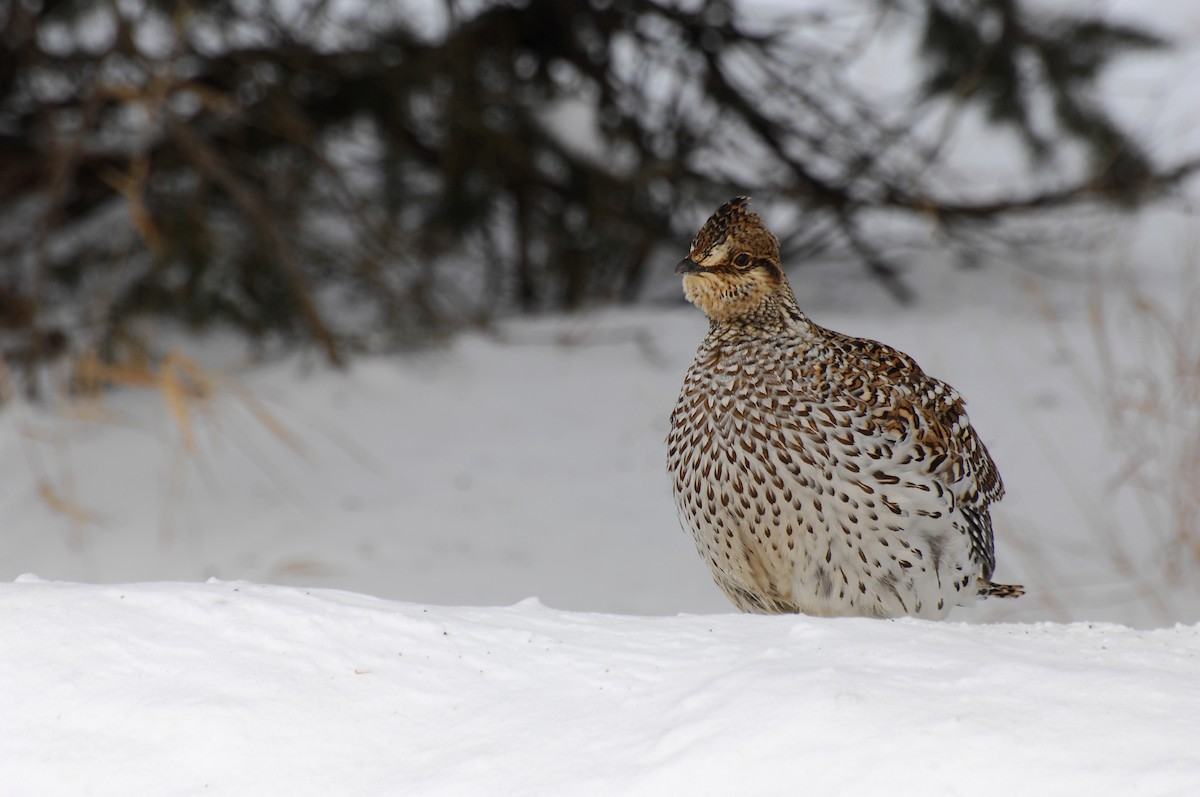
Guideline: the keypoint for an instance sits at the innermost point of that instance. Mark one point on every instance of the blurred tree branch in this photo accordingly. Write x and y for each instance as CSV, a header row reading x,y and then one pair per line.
x,y
355,176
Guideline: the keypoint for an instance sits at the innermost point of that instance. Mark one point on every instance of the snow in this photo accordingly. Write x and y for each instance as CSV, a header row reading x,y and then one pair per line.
x,y
240,688
532,463
529,460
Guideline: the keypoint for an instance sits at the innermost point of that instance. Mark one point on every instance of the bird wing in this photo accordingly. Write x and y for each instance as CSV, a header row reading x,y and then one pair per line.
x,y
906,403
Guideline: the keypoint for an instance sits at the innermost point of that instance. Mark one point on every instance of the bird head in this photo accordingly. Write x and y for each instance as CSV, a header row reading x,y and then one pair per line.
x,y
733,268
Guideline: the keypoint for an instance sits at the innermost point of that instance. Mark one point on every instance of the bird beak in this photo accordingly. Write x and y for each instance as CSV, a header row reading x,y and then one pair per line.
x,y
687,266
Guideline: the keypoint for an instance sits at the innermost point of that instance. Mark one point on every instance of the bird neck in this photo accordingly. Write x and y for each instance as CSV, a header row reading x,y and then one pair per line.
x,y
777,314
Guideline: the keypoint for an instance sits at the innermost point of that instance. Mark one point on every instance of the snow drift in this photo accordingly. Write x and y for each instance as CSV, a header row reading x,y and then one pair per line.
x,y
239,688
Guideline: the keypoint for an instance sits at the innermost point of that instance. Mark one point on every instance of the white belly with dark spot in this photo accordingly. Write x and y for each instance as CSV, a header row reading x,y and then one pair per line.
x,y
786,523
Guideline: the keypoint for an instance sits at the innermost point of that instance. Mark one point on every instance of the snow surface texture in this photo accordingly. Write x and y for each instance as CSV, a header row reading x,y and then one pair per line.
x,y
237,688
530,462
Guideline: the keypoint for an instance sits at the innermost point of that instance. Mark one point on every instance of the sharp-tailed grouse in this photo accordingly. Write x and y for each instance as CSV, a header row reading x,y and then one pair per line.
x,y
818,472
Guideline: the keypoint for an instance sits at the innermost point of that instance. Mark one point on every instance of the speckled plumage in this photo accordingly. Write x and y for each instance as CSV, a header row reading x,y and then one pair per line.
x,y
818,472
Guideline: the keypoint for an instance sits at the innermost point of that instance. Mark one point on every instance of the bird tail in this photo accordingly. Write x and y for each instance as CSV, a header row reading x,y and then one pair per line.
x,y
989,590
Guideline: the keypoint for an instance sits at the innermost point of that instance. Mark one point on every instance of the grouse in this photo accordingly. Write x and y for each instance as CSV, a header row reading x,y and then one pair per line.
x,y
818,472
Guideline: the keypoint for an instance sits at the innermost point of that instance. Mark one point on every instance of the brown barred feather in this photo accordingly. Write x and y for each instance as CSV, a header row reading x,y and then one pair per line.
x,y
819,472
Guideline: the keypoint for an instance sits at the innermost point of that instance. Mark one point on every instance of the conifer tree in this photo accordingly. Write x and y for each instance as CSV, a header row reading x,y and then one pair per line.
x,y
365,176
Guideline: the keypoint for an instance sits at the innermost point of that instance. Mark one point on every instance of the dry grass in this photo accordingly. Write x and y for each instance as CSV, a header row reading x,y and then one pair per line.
x,y
1151,395
191,396
1140,370
187,390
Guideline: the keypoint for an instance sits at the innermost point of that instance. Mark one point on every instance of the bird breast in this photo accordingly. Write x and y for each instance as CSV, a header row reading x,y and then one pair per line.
x,y
791,491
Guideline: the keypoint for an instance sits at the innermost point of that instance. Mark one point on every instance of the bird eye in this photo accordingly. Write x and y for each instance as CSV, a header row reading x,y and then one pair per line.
x,y
742,260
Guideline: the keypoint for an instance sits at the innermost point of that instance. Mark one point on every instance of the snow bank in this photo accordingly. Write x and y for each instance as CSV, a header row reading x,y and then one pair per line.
x,y
238,688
